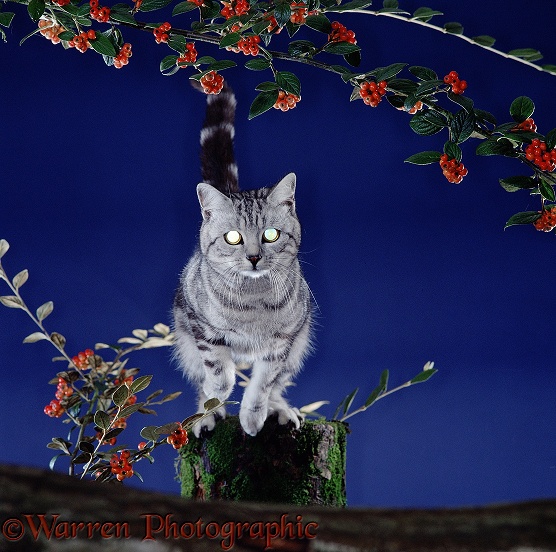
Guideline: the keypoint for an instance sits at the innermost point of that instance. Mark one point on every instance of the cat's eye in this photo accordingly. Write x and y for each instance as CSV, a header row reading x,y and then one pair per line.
x,y
271,235
233,237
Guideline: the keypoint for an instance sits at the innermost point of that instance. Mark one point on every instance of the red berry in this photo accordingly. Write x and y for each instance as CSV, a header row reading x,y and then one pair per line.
x,y
212,82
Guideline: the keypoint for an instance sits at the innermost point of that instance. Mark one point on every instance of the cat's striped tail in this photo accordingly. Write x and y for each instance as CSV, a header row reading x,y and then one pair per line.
x,y
218,165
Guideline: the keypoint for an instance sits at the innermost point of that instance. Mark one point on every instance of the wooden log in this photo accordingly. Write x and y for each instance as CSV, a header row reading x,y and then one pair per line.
x,y
280,465
154,522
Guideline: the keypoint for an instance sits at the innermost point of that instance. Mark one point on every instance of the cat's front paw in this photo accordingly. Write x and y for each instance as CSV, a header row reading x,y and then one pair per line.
x,y
287,414
208,422
252,421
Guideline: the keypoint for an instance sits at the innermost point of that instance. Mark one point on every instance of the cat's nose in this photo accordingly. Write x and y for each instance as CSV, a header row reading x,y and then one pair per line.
x,y
254,259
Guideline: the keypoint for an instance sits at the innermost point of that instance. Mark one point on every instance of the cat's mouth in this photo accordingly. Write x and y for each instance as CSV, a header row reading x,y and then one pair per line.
x,y
254,272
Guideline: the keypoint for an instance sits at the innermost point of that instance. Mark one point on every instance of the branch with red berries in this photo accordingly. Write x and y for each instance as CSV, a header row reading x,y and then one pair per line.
x,y
96,397
248,28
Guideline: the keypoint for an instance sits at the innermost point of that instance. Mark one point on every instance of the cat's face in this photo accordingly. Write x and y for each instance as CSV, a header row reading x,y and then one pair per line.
x,y
252,234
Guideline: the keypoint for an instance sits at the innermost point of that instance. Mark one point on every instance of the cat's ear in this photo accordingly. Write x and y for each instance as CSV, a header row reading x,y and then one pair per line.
x,y
284,192
211,199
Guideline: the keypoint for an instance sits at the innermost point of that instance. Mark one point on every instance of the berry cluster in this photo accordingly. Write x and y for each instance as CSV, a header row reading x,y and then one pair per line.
x,y
538,153
190,54
61,2
341,34
63,390
81,41
417,107
235,7
198,3
120,465
547,221
178,438
286,101
161,33
123,56
453,170
212,82
528,124
54,409
299,13
458,86
249,45
50,30
99,13
372,92
81,360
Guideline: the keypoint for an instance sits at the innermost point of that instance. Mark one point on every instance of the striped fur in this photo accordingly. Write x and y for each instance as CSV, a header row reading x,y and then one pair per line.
x,y
244,303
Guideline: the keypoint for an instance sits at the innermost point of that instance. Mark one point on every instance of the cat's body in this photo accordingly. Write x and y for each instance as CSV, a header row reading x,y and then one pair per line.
x,y
242,297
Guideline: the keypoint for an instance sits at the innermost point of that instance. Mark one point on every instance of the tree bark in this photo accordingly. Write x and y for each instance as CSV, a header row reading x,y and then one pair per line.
x,y
166,523
279,465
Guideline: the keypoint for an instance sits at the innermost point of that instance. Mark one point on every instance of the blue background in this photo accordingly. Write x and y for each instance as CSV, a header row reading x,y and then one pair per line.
x,y
97,177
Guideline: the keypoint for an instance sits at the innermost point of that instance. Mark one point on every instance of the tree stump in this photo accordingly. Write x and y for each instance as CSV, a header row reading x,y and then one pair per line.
x,y
279,465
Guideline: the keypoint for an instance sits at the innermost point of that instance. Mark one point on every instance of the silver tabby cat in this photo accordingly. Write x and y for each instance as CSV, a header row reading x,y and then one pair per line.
x,y
242,297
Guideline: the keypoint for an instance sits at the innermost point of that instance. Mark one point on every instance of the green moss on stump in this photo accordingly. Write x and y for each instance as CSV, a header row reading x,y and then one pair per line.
x,y
280,464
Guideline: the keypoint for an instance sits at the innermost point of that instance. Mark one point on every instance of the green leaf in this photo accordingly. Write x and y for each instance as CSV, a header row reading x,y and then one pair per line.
x,y
140,383
353,58
484,40
44,310
103,45
150,433
426,87
525,217
20,278
423,73
36,9
34,337
102,420
230,39
319,23
453,27
425,14
122,16
288,82
58,339
485,116
515,183
268,87
151,5
522,108
385,73
211,404
210,10
177,43
11,301
492,146
87,447
390,4
348,401
549,67
462,126
183,7
221,64
529,54
427,123
168,63
378,390
424,158
58,443
205,60
546,190
282,12
4,246
120,395
551,139
423,376
6,18
404,86
66,35
465,102
341,48
453,151
131,409
257,64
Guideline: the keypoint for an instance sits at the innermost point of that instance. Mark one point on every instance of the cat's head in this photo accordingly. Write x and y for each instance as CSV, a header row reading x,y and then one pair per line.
x,y
250,233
